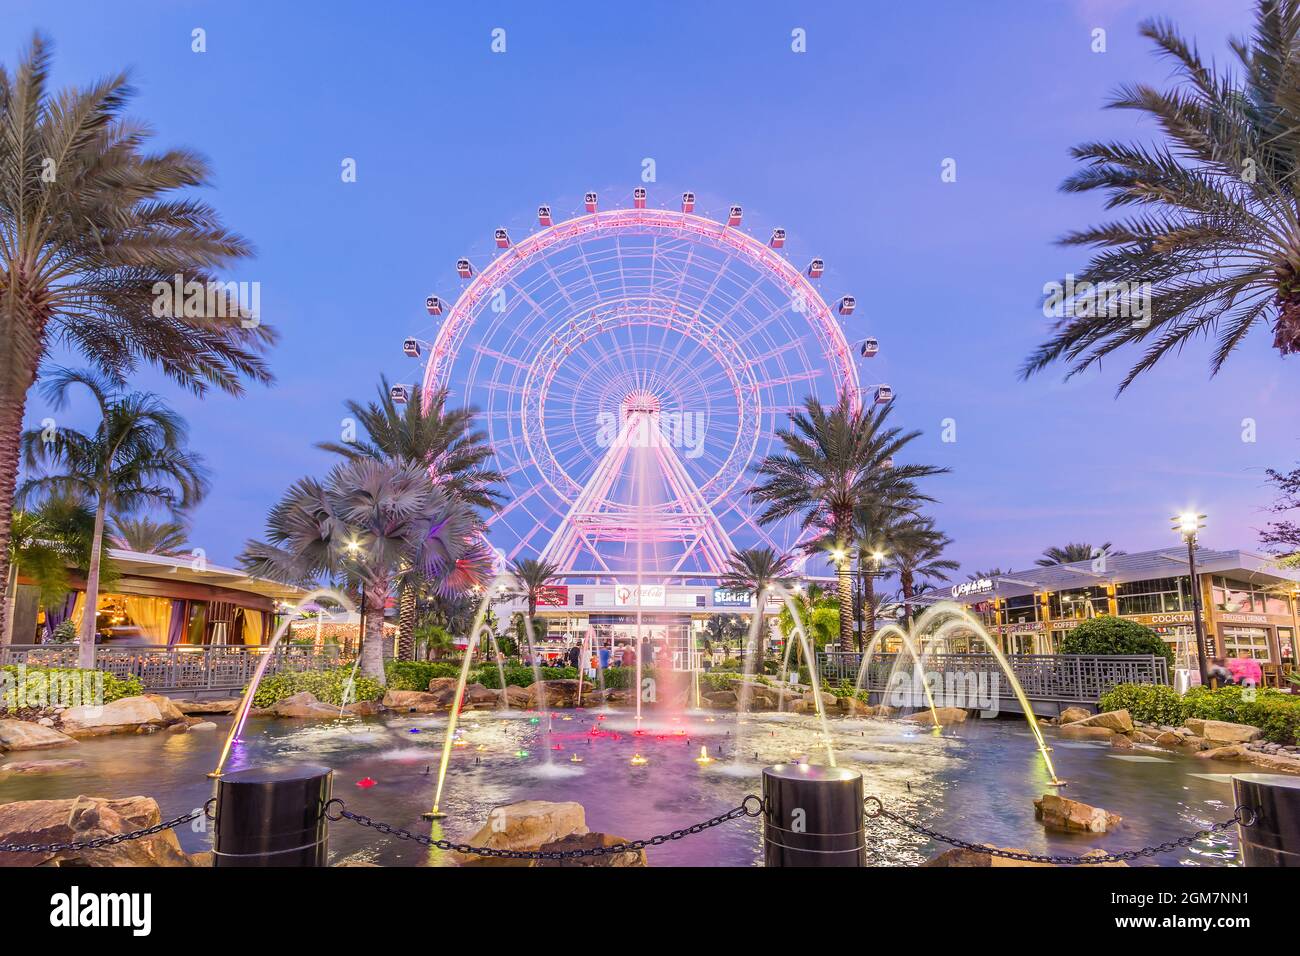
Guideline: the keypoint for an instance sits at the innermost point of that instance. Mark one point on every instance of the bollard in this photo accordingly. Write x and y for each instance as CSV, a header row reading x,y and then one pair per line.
x,y
812,816
272,816
1274,838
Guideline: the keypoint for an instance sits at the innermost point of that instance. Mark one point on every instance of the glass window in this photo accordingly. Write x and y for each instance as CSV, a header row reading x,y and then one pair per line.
x,y
1021,610
1246,642
198,623
1074,603
1240,597
1156,596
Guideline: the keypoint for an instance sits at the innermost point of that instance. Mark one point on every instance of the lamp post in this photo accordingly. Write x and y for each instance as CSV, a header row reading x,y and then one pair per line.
x,y
1187,524
353,547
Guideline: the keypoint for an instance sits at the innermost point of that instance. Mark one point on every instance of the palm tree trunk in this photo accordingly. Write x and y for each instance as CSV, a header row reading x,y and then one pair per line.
x,y
86,653
905,581
869,612
13,402
372,641
845,582
10,602
406,624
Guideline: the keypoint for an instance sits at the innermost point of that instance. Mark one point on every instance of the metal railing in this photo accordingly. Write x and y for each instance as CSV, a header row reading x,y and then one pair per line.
x,y
1080,678
177,668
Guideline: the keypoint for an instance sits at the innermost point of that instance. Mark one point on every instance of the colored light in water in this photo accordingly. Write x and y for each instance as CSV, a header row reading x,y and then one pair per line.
x,y
365,783
534,720
521,753
575,759
414,730
639,761
460,743
704,759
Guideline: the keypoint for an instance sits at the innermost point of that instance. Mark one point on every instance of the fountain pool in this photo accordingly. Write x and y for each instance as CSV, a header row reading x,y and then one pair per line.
x,y
977,781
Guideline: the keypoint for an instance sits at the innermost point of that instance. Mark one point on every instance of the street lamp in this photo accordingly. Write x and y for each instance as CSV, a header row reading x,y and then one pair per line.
x,y
1187,524
353,547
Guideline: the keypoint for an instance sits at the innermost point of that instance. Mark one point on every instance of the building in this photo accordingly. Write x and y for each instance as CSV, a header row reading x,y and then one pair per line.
x,y
1249,604
161,599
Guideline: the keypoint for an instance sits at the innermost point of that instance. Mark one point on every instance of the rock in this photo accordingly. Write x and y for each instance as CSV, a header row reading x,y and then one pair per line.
x,y
1280,762
226,705
123,716
1072,714
945,716
827,700
1116,720
171,714
760,697
1197,743
416,701
549,694
479,697
586,841
84,819
518,696
1141,737
1058,813
204,726
363,708
33,767
46,721
1080,731
1120,742
304,704
855,708
178,728
1220,732
24,735
721,698
1169,739
1230,752
975,858
526,825
443,690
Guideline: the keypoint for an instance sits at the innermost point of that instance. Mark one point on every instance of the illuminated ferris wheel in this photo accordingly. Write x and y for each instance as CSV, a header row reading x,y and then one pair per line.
x,y
619,323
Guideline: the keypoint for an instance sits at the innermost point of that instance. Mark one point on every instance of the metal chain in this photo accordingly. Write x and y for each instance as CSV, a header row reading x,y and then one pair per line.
x,y
1242,816
101,841
336,810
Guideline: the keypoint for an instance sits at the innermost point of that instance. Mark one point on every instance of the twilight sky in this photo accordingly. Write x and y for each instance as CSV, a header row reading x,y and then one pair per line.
x,y
841,145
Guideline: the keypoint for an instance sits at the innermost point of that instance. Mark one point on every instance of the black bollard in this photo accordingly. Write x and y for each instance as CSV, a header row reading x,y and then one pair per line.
x,y
272,816
1274,838
812,816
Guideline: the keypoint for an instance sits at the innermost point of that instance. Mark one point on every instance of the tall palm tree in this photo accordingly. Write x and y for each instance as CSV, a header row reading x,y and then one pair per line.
x,y
92,225
148,536
1216,236
444,441
1071,553
835,458
917,559
755,571
136,457
988,575
532,577
880,528
373,522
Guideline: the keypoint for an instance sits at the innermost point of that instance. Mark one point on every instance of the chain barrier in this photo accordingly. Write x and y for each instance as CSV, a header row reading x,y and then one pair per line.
x,y
100,842
751,806
1242,816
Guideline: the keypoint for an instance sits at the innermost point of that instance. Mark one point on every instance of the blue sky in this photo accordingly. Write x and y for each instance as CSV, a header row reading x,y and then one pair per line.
x,y
842,145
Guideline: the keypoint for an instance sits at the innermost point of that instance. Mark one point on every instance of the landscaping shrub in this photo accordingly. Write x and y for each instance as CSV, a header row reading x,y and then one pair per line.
x,y
1115,635
1275,713
519,676
415,675
1153,703
328,686
42,682
712,681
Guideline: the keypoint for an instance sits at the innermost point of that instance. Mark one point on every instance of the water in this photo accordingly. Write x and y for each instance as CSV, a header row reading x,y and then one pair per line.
x,y
976,782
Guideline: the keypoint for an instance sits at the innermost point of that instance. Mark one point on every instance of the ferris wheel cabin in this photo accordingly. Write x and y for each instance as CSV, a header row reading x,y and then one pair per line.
x,y
464,269
411,347
544,216
816,268
688,202
589,201
433,305
638,197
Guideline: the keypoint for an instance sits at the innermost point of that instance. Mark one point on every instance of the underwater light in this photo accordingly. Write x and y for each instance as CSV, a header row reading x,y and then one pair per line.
x,y
639,761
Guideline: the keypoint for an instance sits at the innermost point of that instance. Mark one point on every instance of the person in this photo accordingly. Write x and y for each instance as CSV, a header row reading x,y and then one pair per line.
x,y
1218,671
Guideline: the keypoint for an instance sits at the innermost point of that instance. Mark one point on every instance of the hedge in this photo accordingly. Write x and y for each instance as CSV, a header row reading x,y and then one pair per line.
x,y
1115,635
1275,713
40,680
328,686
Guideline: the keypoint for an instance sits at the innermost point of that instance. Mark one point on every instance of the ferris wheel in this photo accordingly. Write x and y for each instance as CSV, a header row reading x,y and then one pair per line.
x,y
703,334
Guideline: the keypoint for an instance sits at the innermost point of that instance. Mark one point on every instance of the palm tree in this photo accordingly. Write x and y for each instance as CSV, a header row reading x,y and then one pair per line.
x,y
917,555
46,542
835,458
1071,553
755,571
989,575
1216,241
441,439
136,457
532,577
92,226
880,528
372,522
148,536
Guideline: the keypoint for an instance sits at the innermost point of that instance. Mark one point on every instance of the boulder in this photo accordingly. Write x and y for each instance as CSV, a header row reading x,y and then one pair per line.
x,y
1120,742
1230,752
24,735
225,705
975,858
854,707
760,696
34,767
203,725
587,841
479,697
443,690
827,700
1058,813
1278,762
721,698
1071,714
1167,738
361,708
945,716
518,696
1141,737
416,701
526,825
548,694
304,704
1116,720
84,819
123,716
1078,731
1221,733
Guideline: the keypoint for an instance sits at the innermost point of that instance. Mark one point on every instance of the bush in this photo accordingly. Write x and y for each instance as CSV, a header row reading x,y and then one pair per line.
x,y
519,676
1153,703
1275,713
328,686
415,675
44,682
1115,635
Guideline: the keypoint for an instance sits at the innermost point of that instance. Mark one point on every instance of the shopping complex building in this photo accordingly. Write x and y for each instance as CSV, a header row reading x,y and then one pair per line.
x,y
1248,602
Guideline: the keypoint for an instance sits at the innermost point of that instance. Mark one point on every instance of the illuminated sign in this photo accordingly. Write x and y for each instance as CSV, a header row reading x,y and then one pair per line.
x,y
553,595
981,586
650,595
724,598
